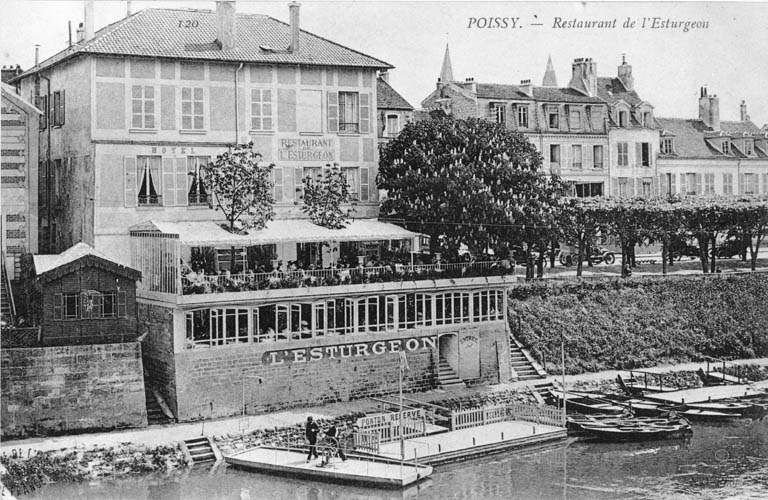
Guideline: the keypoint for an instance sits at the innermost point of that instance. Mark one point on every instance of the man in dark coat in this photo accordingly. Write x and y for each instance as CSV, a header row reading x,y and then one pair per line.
x,y
312,431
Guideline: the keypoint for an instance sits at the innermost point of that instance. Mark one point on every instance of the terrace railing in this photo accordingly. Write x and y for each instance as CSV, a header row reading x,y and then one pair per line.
x,y
484,415
198,283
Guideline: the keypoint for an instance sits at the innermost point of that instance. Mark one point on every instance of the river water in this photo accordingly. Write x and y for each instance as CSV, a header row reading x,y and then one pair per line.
x,y
718,462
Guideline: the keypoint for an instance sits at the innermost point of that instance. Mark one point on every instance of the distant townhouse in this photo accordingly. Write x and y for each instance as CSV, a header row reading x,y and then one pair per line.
x,y
709,156
152,97
18,191
394,110
585,131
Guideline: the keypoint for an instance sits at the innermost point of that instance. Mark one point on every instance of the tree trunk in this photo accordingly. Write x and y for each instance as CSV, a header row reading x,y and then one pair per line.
x,y
703,245
713,259
664,252
552,244
540,266
579,258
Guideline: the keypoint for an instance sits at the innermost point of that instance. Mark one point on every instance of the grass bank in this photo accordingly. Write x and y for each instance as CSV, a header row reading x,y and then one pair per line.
x,y
642,322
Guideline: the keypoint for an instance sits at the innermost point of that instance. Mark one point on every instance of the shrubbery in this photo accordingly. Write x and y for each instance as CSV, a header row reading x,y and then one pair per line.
x,y
623,324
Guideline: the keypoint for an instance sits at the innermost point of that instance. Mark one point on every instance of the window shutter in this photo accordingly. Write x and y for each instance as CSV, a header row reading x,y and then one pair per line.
x,y
683,186
364,184
365,113
58,300
614,186
673,189
650,154
699,189
742,187
169,186
298,179
333,111
62,108
129,180
182,181
288,184
277,180
639,154
121,304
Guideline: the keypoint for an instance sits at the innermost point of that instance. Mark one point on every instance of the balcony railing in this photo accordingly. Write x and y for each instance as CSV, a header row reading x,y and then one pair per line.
x,y
20,337
197,283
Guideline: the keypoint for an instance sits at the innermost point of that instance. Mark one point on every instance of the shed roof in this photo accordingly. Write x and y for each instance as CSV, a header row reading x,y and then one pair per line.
x,y
49,267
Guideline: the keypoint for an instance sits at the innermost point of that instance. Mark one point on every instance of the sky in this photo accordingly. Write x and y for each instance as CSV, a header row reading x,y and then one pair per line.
x,y
669,64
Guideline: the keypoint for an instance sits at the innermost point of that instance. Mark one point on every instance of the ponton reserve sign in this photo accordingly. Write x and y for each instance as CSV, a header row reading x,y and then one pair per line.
x,y
306,149
343,351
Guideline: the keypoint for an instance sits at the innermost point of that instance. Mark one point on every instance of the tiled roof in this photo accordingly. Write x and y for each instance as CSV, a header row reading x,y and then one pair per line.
x,y
690,138
739,128
156,33
388,98
612,90
549,94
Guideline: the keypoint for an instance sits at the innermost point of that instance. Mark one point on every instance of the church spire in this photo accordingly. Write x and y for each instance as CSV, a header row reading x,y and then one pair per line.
x,y
550,79
446,72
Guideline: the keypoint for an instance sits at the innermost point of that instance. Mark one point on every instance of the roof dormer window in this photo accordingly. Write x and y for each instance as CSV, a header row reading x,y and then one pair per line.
x,y
623,118
726,146
667,145
749,147
647,119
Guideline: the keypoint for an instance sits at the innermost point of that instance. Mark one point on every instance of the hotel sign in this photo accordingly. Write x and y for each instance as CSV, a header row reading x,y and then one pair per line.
x,y
305,149
344,351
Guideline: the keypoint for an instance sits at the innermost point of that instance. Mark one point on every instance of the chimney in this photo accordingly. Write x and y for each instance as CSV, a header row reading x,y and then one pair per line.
x,y
709,109
526,87
225,25
584,76
384,75
470,84
293,9
88,19
10,72
80,33
37,54
744,115
625,74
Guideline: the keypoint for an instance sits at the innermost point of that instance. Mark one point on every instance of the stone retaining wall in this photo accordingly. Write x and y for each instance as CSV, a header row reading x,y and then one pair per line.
x,y
56,390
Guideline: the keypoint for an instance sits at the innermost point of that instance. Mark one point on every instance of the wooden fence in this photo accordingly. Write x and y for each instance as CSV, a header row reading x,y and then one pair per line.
x,y
386,426
534,413
20,337
366,441
475,417
484,415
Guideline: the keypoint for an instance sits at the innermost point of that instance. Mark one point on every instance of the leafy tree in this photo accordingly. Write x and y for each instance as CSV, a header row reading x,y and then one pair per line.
x,y
241,186
324,197
458,180
752,217
580,221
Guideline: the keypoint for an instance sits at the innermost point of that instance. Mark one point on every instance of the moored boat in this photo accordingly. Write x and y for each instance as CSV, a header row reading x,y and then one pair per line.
x,y
585,403
645,432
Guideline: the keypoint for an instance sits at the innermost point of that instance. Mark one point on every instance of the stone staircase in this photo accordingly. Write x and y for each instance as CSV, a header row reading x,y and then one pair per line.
x,y
155,414
446,377
200,450
521,364
6,300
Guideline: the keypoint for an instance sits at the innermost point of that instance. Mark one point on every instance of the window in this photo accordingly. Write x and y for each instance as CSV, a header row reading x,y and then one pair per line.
x,y
668,184
553,117
727,183
667,146
192,108
576,156
588,189
314,173
623,148
575,120
554,156
196,194
647,121
522,116
597,157
726,146
71,305
690,184
623,187
277,181
352,175
261,110
149,180
310,111
108,305
623,118
709,183
41,102
645,154
349,112
393,125
750,184
143,106
58,108
647,187
749,147
499,112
